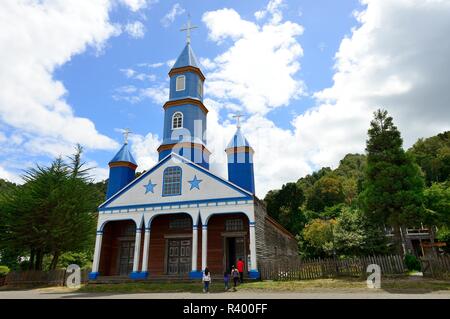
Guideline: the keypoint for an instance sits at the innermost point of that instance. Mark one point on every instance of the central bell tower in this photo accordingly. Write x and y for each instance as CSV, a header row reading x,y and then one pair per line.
x,y
184,112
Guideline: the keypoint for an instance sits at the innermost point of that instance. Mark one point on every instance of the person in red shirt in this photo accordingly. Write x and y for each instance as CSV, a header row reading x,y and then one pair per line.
x,y
240,268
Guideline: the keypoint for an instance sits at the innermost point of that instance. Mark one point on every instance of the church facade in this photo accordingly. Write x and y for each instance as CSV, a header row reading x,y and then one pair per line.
x,y
178,217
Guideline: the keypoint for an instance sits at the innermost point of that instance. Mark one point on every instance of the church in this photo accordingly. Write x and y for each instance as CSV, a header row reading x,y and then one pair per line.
x,y
178,217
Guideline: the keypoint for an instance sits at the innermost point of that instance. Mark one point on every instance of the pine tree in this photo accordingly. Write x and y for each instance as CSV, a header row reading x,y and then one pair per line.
x,y
393,188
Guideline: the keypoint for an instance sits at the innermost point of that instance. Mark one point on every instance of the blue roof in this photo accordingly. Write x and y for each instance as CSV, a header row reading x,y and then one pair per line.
x,y
186,58
124,155
238,140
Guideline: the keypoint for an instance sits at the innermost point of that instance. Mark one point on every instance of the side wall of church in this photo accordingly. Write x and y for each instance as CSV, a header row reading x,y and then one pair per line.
x,y
273,243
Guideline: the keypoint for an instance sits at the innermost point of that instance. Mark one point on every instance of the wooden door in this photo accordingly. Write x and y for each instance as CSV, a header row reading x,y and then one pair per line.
x,y
179,256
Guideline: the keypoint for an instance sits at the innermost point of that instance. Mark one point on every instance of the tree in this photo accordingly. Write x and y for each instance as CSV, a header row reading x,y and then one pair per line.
x,y
326,192
53,212
318,234
393,184
284,206
433,156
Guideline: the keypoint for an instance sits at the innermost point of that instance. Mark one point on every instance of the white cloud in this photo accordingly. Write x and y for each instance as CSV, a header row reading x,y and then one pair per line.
x,y
135,29
136,5
133,74
144,150
35,39
396,59
258,55
9,176
175,11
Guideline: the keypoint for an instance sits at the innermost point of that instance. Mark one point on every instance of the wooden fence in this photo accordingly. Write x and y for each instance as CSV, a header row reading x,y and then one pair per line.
x,y
437,267
34,277
329,268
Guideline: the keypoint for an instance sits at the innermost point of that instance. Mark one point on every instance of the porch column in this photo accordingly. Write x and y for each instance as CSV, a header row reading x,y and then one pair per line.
x,y
145,252
254,273
204,246
137,251
98,249
195,273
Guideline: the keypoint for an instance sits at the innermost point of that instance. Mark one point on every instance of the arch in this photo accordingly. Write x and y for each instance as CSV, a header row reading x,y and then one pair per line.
x,y
172,177
101,228
206,220
177,120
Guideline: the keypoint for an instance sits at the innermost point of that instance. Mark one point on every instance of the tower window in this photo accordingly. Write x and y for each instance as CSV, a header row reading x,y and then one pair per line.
x,y
200,88
181,83
177,120
172,181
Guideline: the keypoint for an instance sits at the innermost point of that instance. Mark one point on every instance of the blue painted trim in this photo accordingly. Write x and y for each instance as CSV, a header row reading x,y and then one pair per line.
x,y
164,182
99,232
254,274
195,274
93,275
230,199
139,275
204,226
147,230
183,160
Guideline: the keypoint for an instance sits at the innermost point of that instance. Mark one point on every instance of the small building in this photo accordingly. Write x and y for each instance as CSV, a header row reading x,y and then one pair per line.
x,y
178,217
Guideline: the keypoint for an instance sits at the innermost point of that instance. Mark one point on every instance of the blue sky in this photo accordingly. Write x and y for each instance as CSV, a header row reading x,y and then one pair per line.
x,y
88,69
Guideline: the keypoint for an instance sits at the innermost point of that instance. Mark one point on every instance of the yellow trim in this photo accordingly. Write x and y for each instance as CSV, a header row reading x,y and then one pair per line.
x,y
183,145
185,69
186,101
120,164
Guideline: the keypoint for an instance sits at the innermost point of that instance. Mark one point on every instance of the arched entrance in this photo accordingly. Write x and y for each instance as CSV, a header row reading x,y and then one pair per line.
x,y
170,245
117,252
228,240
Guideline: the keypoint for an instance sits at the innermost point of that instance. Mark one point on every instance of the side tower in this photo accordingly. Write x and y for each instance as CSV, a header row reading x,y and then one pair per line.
x,y
121,170
240,162
184,112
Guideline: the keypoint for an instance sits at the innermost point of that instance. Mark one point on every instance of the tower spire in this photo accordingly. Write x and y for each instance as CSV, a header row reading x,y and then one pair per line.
x,y
188,29
238,117
125,133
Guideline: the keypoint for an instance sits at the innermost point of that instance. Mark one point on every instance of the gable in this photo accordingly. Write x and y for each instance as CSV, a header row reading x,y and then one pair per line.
x,y
198,185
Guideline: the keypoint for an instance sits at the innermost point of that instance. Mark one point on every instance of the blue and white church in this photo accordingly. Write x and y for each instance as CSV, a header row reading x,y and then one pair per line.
x,y
178,217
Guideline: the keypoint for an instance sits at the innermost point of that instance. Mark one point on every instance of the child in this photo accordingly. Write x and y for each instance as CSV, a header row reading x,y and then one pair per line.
x,y
235,276
206,280
226,280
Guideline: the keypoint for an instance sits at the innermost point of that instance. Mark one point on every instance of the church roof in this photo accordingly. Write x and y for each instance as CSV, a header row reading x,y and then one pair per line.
x,y
124,155
238,140
186,58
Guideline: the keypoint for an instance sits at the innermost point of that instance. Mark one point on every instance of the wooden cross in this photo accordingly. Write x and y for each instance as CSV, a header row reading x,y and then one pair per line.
x,y
125,133
237,117
188,29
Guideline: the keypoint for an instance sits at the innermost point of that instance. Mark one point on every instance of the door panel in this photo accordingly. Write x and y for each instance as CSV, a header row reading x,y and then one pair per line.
x,y
126,257
179,256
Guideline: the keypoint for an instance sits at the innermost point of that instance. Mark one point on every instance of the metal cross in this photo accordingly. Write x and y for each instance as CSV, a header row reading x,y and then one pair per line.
x,y
188,29
237,117
125,133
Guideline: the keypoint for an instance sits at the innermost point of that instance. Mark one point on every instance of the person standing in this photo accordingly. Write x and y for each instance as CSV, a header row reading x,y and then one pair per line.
x,y
235,276
240,268
226,280
206,280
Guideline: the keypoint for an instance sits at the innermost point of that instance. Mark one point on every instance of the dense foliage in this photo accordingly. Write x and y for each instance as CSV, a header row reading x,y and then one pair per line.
x,y
346,211
51,214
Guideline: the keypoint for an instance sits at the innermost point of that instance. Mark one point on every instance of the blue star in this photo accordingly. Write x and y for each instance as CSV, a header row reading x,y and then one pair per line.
x,y
149,187
195,183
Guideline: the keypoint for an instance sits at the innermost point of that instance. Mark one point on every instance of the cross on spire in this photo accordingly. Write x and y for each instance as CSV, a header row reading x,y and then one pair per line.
x,y
125,133
238,117
188,29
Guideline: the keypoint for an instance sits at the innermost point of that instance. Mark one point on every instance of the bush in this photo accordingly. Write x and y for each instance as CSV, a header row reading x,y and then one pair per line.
x,y
4,270
412,263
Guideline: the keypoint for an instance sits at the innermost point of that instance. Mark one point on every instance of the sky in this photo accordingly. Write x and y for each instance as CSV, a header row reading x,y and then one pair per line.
x,y
306,75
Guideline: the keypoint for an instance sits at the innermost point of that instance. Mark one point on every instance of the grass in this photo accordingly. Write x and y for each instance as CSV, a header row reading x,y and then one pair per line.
x,y
402,284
